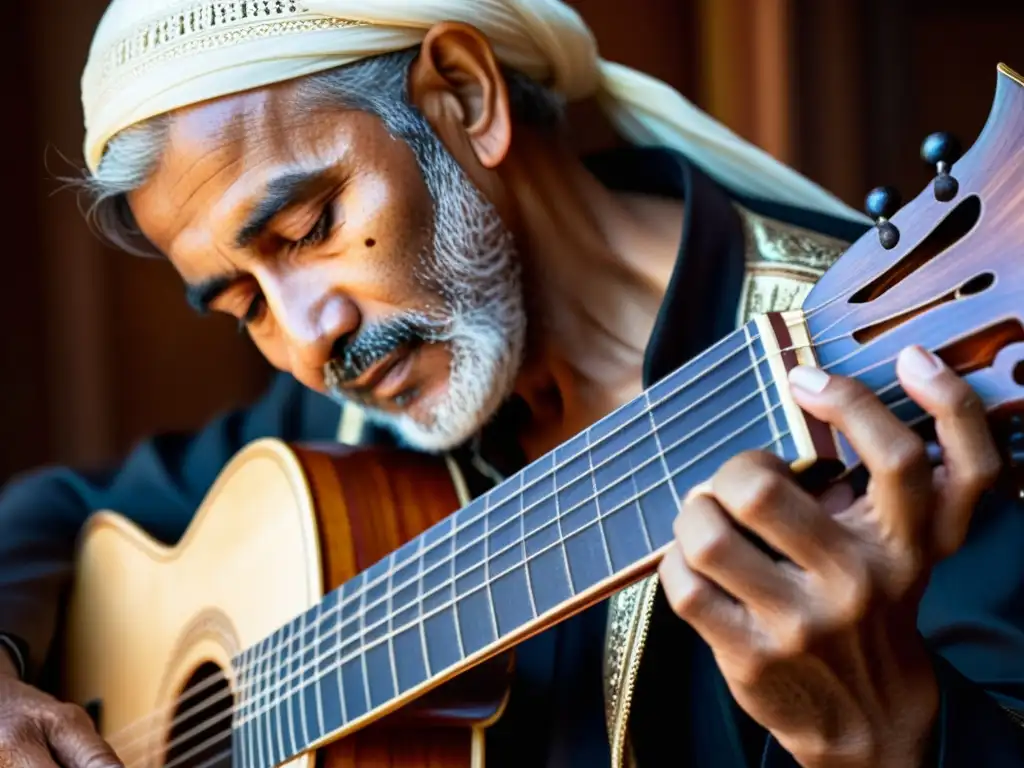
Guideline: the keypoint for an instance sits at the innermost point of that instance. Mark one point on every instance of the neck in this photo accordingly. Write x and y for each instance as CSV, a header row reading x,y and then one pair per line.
x,y
596,266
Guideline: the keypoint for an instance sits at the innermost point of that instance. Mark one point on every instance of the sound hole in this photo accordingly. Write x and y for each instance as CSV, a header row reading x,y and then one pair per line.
x,y
976,285
979,349
972,287
1018,373
952,229
201,729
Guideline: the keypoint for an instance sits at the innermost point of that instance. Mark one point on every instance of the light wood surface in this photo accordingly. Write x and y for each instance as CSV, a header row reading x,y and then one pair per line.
x,y
280,527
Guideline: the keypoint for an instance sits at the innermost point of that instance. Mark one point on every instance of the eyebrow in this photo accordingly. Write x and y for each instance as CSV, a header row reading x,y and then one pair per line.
x,y
282,193
201,295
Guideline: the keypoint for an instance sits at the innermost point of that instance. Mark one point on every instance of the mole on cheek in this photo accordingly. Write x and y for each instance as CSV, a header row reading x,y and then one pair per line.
x,y
370,242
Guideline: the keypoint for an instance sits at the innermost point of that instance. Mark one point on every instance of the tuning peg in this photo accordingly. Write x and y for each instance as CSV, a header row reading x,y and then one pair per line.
x,y
881,205
942,150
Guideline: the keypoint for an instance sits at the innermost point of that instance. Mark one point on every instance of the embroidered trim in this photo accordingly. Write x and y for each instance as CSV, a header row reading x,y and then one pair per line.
x,y
629,613
201,26
783,264
775,241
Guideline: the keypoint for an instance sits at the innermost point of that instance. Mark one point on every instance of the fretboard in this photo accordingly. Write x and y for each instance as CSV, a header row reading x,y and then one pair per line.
x,y
562,534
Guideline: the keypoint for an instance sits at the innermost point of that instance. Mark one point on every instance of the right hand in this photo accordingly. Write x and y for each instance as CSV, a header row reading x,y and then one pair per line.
x,y
36,729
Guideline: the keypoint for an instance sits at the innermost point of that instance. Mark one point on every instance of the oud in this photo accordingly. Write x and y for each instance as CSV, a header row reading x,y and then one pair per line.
x,y
339,604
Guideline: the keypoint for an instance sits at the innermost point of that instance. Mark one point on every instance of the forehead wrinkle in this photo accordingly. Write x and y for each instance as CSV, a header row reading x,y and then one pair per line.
x,y
301,137
186,212
214,141
207,152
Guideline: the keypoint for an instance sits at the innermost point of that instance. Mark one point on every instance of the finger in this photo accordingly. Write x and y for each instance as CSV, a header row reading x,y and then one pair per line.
x,y
712,547
901,478
75,742
723,623
971,460
758,491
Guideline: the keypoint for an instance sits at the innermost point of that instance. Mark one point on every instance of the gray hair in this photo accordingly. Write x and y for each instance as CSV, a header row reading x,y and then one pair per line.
x,y
378,85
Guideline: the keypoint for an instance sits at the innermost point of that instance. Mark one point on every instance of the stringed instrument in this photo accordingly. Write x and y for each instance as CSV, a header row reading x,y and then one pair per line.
x,y
339,602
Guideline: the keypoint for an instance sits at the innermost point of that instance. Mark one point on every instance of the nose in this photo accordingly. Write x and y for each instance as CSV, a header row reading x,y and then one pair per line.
x,y
335,318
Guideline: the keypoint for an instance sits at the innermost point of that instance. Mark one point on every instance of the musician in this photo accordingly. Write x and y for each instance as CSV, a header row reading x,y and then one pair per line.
x,y
383,195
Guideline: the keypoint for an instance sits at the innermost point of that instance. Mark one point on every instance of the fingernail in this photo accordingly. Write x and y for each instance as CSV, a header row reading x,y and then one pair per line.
x,y
809,379
920,363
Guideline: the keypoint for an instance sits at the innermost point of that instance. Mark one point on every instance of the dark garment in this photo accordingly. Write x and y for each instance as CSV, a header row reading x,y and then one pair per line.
x,y
972,615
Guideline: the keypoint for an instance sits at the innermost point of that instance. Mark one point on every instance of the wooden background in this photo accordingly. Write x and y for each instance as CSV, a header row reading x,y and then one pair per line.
x,y
98,348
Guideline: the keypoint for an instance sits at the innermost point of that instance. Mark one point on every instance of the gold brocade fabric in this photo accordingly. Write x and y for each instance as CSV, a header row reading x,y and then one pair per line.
x,y
782,264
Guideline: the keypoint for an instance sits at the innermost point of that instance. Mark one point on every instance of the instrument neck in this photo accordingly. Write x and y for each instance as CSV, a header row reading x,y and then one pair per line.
x,y
563,533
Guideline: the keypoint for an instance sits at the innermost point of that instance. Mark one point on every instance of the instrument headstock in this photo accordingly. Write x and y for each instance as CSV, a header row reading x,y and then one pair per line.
x,y
945,271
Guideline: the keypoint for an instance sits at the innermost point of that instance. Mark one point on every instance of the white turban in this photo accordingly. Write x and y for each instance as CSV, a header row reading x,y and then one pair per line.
x,y
149,57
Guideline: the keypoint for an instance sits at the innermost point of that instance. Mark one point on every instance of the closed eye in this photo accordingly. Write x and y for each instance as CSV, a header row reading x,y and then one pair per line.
x,y
253,312
321,229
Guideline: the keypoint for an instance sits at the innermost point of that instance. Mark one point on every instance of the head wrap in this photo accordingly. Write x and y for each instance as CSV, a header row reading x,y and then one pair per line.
x,y
149,57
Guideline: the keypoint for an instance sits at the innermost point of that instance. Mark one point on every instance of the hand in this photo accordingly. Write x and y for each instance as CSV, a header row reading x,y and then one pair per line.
x,y
821,647
37,731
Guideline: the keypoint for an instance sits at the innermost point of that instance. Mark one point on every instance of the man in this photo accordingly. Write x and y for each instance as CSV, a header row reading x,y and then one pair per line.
x,y
384,199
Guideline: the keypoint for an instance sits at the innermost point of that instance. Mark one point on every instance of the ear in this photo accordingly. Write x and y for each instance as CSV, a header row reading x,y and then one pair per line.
x,y
457,83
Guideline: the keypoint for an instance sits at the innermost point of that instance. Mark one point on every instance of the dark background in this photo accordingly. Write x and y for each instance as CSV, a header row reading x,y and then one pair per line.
x,y
98,349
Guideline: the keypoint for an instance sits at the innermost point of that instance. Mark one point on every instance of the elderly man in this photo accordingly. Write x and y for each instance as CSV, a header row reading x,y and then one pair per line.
x,y
382,194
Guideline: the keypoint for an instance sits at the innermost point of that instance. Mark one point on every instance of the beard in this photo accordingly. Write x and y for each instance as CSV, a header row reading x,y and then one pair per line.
x,y
472,266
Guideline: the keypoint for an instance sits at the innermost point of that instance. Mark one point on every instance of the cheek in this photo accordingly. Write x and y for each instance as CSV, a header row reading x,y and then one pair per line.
x,y
391,218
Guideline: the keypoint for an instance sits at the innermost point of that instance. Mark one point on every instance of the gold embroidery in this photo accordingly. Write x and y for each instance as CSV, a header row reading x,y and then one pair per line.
x,y
201,26
783,263
774,241
629,612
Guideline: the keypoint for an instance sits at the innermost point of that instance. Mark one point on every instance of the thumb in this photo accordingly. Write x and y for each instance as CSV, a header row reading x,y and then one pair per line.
x,y
75,742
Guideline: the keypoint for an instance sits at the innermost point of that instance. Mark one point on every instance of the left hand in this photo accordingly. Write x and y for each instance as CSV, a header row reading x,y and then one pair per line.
x,y
823,649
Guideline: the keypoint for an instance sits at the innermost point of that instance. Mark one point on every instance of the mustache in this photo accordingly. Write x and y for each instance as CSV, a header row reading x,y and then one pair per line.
x,y
355,355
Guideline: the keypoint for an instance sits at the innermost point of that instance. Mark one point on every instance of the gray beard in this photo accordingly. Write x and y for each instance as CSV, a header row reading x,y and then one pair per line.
x,y
473,267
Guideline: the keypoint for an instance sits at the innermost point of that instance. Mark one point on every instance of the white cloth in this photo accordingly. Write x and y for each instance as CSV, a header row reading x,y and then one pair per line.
x,y
152,56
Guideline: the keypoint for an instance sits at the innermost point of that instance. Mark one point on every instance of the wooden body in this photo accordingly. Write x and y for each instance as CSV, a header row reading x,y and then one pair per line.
x,y
281,527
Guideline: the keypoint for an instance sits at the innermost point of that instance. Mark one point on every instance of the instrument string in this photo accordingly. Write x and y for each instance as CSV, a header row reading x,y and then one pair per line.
x,y
213,680
283,682
805,315
335,666
273,689
196,689
356,594
362,589
361,636
253,680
